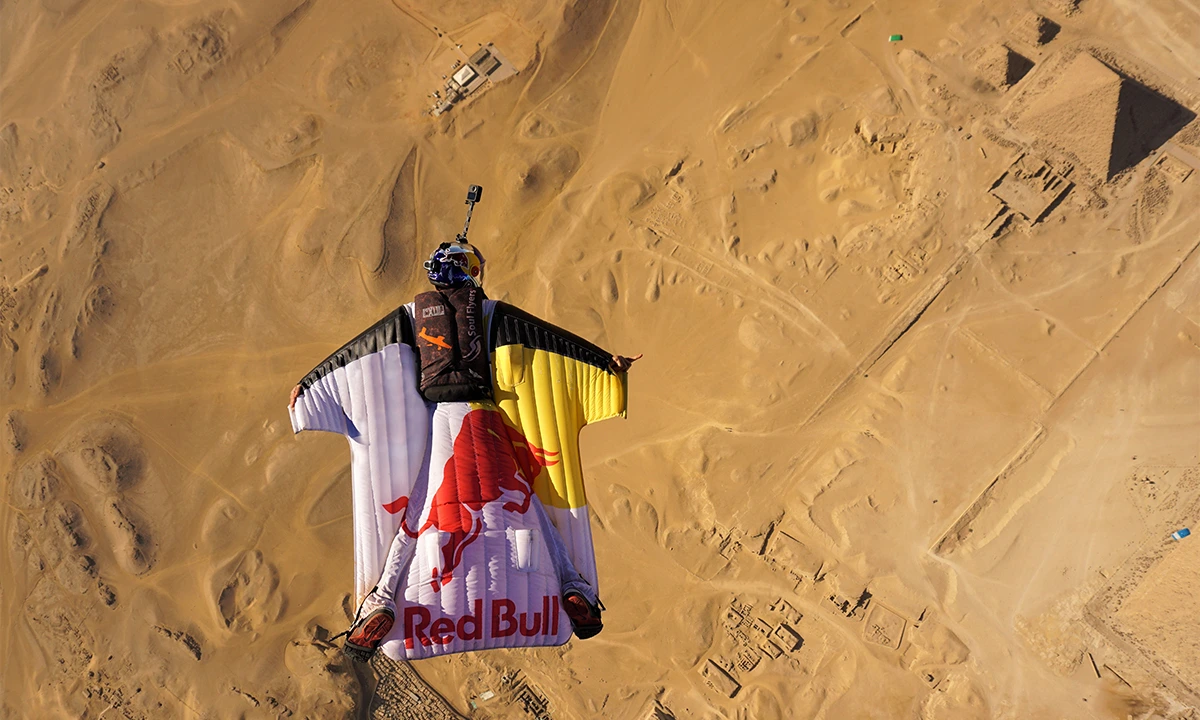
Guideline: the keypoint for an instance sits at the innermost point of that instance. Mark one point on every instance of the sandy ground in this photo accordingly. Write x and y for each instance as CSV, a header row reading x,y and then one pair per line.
x,y
919,408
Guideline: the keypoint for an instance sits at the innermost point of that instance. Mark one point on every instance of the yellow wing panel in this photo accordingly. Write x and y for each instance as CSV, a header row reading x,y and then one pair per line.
x,y
549,397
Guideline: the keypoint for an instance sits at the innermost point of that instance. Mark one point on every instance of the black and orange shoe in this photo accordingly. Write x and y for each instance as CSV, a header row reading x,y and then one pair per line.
x,y
584,616
365,635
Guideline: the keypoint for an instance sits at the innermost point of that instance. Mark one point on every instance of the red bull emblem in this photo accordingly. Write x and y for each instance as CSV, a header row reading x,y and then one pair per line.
x,y
491,462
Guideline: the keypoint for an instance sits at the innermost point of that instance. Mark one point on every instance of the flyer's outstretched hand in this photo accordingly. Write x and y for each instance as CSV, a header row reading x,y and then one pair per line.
x,y
620,363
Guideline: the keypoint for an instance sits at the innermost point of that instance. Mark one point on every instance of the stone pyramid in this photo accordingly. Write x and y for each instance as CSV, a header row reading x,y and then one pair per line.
x,y
1000,66
1107,121
1035,29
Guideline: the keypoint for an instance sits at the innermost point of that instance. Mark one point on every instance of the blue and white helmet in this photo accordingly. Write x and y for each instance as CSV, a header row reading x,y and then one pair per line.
x,y
455,264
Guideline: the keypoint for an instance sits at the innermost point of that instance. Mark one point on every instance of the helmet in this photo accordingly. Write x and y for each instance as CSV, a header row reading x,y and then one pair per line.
x,y
455,264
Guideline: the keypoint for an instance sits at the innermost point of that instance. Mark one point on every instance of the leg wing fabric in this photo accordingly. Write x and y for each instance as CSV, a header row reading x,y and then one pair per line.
x,y
368,391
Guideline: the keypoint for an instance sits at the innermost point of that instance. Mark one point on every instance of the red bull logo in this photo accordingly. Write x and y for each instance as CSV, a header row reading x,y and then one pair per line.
x,y
491,462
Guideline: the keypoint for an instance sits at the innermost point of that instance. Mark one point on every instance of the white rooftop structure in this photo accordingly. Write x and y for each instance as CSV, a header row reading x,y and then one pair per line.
x,y
465,75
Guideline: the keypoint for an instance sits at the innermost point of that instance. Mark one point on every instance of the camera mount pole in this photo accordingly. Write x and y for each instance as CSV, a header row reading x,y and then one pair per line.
x,y
474,194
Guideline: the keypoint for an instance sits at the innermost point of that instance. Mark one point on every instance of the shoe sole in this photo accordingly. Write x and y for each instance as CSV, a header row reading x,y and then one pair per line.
x,y
363,643
582,631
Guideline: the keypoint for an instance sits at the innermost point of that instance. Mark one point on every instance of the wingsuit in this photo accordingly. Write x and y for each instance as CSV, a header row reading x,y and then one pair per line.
x,y
463,413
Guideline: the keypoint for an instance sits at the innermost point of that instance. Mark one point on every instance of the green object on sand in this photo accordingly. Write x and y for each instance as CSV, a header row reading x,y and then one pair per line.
x,y
895,38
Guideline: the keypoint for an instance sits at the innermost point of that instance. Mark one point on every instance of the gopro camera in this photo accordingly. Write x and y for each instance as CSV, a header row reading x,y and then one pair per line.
x,y
474,193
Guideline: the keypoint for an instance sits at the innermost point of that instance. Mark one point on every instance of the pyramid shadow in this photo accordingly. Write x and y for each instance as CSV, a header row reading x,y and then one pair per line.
x,y
1146,120
1046,30
1018,67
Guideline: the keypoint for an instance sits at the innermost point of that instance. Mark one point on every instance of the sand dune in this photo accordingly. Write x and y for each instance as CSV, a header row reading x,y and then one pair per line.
x,y
919,404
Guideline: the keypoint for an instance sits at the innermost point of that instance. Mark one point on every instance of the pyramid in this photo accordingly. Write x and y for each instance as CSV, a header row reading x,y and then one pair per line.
x,y
1000,66
1109,122
1066,7
1035,29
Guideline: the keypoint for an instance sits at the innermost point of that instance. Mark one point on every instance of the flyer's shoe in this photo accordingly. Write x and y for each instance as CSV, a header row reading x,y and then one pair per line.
x,y
584,616
375,620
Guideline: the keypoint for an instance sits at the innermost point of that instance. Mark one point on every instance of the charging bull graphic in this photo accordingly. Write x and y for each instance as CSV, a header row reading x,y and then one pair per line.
x,y
490,462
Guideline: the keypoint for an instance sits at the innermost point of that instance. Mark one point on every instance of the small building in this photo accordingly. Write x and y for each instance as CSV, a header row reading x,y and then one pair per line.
x,y
788,638
1030,187
787,554
762,627
718,679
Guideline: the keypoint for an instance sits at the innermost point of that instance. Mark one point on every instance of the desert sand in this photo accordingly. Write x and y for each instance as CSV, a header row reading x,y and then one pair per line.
x,y
920,402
